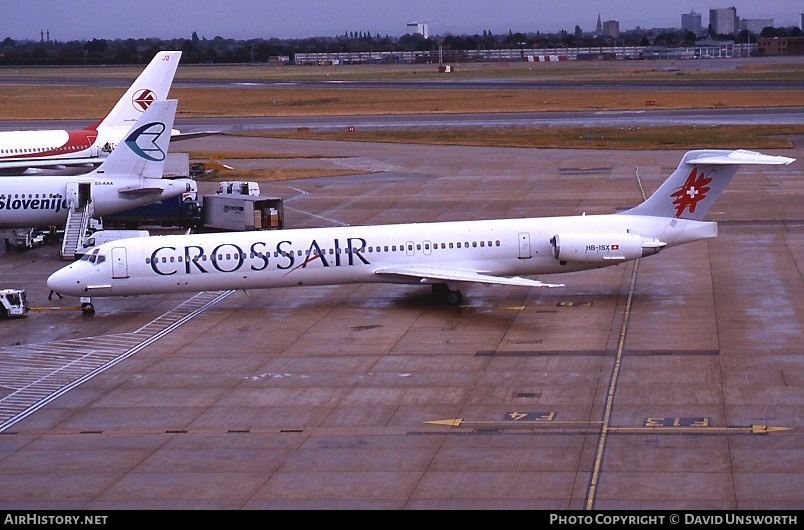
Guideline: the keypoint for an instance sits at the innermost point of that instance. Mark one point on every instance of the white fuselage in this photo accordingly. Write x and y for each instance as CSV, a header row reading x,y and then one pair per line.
x,y
51,144
43,201
370,254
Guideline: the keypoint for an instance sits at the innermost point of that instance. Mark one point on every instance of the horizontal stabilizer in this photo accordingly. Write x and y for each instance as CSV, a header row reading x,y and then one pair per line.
x,y
445,274
741,157
140,190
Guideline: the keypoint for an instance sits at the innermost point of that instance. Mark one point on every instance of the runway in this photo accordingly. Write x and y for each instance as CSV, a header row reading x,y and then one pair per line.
x,y
624,118
671,383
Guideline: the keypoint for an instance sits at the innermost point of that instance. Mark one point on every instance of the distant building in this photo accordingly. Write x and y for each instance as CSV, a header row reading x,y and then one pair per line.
x,y
599,27
781,46
714,48
724,21
755,25
418,27
611,28
692,22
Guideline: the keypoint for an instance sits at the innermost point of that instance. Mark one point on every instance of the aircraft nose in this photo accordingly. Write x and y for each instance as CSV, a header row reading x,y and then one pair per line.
x,y
63,281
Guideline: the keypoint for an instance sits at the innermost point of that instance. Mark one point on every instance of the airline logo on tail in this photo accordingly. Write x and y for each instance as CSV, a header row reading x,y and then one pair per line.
x,y
691,193
143,141
143,98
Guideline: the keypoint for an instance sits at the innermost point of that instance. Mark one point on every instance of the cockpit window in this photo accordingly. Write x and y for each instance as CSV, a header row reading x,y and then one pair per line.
x,y
94,257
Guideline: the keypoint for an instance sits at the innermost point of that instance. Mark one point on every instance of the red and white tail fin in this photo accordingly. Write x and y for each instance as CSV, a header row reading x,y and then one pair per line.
x,y
153,84
698,181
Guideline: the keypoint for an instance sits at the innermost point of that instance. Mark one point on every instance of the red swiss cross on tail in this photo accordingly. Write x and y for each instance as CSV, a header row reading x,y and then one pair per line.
x,y
693,191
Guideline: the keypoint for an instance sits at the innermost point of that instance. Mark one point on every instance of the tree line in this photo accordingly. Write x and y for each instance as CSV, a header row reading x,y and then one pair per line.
x,y
260,50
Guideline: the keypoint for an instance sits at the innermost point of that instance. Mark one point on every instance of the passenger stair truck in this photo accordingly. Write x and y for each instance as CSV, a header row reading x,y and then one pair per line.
x,y
75,229
13,303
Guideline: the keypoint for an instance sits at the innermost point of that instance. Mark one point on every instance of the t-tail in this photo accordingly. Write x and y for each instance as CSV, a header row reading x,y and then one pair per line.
x,y
698,181
153,84
143,151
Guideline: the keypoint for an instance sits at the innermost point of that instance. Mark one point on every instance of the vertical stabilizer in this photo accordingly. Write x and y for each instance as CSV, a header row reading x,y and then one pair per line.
x,y
143,151
153,84
698,181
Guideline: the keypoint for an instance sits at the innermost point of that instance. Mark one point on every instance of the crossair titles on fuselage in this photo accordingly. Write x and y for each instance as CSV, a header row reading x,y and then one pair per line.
x,y
229,257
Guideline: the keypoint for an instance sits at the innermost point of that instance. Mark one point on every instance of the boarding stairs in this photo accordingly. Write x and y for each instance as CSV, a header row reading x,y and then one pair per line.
x,y
75,230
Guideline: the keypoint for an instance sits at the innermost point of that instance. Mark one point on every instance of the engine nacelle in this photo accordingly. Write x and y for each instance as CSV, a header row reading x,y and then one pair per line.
x,y
603,248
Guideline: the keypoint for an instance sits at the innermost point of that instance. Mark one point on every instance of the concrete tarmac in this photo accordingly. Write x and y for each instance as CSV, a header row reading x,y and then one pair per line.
x,y
674,383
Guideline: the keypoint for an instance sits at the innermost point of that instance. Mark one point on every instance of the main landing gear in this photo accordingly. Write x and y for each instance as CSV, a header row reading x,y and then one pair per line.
x,y
450,296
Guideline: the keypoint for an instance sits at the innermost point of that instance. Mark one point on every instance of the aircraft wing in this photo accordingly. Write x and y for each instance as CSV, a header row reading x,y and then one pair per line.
x,y
427,274
18,167
176,136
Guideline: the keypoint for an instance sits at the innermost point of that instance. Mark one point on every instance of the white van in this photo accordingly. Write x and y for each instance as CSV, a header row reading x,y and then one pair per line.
x,y
104,236
239,187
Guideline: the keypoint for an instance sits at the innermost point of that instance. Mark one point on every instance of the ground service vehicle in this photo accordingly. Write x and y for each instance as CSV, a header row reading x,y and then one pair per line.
x,y
24,238
13,303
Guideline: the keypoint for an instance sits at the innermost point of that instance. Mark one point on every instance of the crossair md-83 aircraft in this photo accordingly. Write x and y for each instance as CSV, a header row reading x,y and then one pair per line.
x,y
79,150
129,177
441,254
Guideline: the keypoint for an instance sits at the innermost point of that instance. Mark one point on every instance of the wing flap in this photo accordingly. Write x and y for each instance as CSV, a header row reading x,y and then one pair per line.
x,y
427,274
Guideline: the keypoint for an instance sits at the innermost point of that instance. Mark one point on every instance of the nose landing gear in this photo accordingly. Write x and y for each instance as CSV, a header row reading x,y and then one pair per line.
x,y
86,306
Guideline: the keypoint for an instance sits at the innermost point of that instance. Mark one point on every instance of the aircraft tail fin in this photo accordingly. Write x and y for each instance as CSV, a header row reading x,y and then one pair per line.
x,y
698,181
153,84
143,151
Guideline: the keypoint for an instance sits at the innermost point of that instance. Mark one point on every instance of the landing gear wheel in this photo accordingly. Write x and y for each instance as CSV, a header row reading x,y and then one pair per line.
x,y
440,290
443,292
454,297
87,308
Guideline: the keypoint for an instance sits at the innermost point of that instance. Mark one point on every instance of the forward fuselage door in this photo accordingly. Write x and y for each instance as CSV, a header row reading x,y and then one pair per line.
x,y
524,246
78,194
119,263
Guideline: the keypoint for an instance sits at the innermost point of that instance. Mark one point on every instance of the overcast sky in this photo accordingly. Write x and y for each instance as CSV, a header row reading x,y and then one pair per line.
x,y
67,20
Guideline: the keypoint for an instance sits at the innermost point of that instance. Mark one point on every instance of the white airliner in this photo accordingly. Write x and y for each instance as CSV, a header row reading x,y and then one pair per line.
x,y
442,254
129,177
82,149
